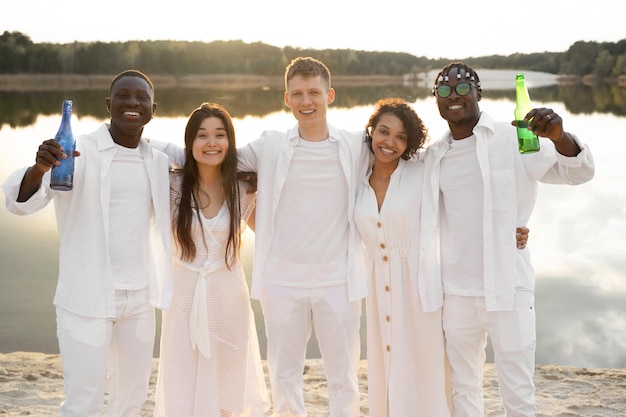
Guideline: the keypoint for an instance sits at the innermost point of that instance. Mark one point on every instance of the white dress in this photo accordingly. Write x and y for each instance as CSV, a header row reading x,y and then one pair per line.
x,y
210,363
407,369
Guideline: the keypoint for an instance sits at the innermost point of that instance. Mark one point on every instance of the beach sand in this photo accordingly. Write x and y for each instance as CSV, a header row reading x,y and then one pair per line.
x,y
31,384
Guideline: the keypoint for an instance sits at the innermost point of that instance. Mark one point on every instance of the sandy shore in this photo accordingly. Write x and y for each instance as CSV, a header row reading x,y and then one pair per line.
x,y
31,384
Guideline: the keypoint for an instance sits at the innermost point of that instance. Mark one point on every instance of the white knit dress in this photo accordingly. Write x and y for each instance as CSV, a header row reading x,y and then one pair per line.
x,y
210,364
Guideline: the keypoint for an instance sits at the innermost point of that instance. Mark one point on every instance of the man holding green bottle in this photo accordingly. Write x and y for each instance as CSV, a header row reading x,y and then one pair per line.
x,y
480,189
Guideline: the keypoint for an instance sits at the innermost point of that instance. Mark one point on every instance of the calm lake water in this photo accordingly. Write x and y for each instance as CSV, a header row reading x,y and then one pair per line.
x,y
578,234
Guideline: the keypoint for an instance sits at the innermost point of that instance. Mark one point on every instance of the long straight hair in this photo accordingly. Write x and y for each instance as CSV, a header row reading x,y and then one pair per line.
x,y
188,206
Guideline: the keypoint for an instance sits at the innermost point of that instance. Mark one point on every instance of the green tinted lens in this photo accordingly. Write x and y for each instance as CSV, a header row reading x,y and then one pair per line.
x,y
443,90
463,89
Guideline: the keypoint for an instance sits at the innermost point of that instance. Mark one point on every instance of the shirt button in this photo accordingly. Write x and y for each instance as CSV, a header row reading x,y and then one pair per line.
x,y
379,224
385,259
388,318
387,288
388,348
382,246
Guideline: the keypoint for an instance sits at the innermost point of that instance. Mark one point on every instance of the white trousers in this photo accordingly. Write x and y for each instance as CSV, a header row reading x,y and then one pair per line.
x,y
123,344
290,314
466,324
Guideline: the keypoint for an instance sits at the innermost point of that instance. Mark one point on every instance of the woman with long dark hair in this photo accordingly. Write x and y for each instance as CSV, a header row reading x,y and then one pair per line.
x,y
210,364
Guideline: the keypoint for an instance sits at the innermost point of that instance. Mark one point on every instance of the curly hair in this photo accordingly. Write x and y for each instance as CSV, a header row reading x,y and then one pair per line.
x,y
417,133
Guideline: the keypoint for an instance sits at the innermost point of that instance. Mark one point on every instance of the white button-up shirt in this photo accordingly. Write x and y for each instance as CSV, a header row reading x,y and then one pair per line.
x,y
270,156
510,182
85,282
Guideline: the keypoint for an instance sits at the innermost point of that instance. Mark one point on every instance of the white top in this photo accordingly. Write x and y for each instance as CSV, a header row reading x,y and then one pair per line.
x,y
271,156
509,181
86,283
461,220
130,219
304,253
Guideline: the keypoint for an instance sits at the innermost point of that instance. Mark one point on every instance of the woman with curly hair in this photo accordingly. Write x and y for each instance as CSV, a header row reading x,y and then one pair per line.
x,y
405,341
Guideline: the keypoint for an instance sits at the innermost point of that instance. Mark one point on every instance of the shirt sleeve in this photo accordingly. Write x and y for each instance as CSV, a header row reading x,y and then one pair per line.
x,y
36,202
175,153
247,156
562,169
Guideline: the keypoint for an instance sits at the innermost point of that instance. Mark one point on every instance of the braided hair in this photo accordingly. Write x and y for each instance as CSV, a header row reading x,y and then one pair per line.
x,y
470,75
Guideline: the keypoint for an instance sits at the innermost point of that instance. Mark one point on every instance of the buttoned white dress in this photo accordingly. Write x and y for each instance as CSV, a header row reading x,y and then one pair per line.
x,y
407,369
210,364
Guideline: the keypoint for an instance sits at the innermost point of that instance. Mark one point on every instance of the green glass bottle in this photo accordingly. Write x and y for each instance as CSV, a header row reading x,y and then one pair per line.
x,y
527,141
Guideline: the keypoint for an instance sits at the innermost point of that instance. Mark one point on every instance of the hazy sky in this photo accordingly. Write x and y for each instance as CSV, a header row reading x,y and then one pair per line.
x,y
432,28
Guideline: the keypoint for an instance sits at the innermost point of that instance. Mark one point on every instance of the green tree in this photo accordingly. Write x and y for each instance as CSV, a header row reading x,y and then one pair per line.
x,y
18,54
580,58
604,64
620,65
13,48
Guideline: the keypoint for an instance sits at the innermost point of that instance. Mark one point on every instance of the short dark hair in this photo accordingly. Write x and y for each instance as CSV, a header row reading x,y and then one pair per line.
x,y
131,73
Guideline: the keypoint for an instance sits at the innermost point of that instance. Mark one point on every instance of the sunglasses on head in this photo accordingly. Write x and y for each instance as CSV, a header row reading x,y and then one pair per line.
x,y
462,89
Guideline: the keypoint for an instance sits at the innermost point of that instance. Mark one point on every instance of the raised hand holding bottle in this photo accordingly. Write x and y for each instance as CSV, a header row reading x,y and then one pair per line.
x,y
62,176
527,140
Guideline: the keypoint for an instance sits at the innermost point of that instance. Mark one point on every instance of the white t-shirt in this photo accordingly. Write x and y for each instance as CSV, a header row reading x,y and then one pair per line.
x,y
129,226
310,240
461,220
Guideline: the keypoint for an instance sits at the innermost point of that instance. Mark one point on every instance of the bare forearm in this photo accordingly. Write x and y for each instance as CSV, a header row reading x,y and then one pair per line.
x,y
566,145
30,184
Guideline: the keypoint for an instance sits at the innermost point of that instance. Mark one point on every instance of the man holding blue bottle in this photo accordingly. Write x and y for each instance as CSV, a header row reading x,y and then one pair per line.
x,y
115,252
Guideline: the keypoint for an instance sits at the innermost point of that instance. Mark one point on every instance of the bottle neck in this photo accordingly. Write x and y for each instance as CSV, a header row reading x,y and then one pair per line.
x,y
66,116
66,110
65,129
522,99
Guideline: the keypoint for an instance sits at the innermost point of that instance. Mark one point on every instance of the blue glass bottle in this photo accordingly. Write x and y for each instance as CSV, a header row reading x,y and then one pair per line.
x,y
62,176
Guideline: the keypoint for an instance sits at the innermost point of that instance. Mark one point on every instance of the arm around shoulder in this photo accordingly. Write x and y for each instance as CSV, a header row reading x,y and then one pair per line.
x,y
246,158
174,152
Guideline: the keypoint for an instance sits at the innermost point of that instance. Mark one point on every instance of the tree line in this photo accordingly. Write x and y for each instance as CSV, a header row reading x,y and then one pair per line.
x,y
20,55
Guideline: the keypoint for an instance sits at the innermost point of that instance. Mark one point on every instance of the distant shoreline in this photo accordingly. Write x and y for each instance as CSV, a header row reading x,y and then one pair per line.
x,y
75,82
57,82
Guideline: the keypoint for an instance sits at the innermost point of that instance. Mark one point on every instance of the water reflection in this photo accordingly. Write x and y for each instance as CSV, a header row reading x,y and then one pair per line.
x,y
577,233
21,109
591,324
